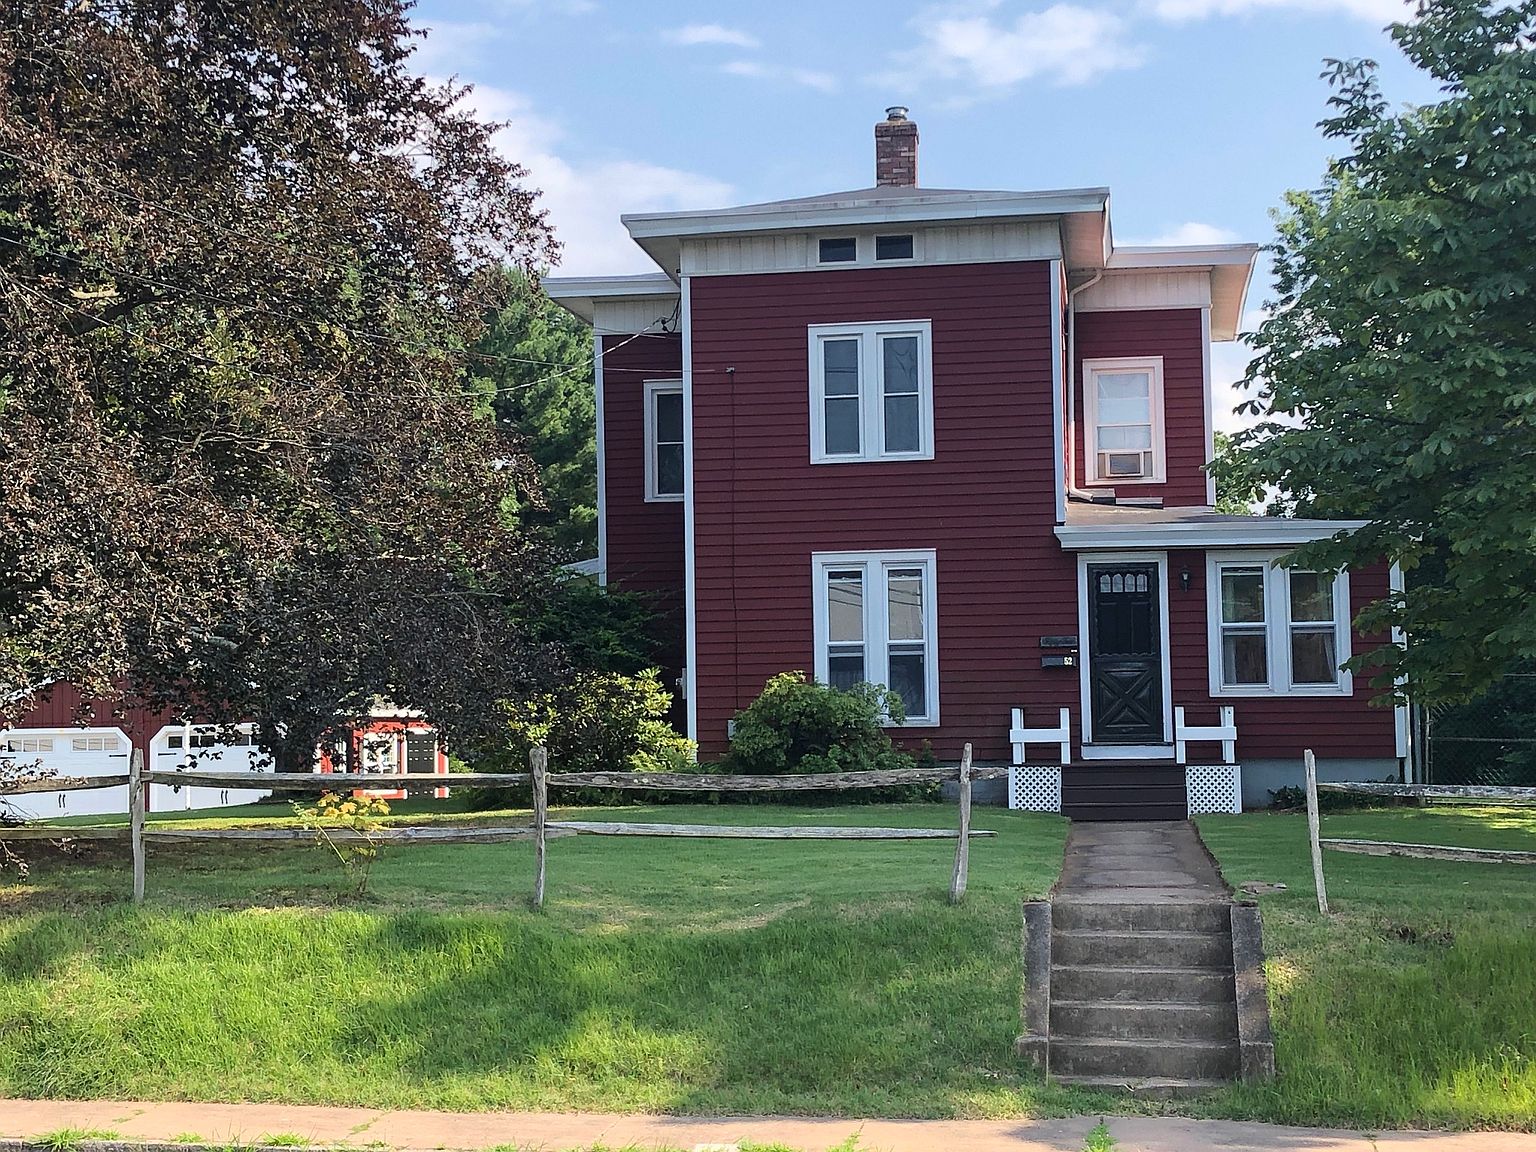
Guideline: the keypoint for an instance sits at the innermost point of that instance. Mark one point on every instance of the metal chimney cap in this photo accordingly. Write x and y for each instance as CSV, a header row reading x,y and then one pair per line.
x,y
896,112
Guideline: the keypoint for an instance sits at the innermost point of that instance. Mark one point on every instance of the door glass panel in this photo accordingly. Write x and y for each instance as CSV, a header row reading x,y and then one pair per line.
x,y
1242,595
1314,657
1311,598
1244,658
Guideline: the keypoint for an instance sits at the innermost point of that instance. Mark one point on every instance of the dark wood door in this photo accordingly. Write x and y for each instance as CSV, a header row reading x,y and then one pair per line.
x,y
1125,663
420,752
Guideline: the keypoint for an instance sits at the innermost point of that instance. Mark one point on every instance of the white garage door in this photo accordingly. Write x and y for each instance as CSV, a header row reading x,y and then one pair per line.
x,y
70,752
209,749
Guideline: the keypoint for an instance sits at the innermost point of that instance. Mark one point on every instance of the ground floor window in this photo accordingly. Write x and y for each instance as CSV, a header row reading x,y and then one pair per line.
x,y
1276,630
875,622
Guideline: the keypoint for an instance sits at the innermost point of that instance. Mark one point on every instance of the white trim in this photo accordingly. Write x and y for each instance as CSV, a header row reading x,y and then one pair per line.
x,y
602,460
1058,419
653,389
690,563
870,394
1262,531
1021,737
1183,255
817,241
876,614
1210,409
1126,751
1089,750
1277,629
1153,365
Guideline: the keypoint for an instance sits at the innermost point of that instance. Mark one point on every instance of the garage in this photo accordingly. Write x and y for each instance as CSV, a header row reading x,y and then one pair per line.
x,y
101,751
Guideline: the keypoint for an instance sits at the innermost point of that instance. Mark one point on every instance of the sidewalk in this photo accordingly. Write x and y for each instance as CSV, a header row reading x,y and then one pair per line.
x,y
559,1132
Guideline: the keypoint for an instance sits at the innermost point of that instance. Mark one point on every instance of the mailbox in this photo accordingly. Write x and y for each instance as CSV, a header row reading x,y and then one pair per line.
x,y
1058,652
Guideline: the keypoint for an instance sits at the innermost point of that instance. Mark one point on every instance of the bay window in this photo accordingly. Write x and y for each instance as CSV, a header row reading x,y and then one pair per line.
x,y
1276,631
875,622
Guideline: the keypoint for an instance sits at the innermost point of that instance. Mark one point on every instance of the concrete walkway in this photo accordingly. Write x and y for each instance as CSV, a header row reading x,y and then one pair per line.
x,y
559,1132
1152,861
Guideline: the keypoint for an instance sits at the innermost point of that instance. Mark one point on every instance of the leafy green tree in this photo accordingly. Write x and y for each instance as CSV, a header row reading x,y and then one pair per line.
x,y
534,361
1401,347
1237,493
242,250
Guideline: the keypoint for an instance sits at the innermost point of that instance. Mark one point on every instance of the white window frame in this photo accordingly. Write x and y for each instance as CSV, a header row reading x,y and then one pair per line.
x,y
858,247
874,247
1108,365
877,616
653,389
1277,627
871,398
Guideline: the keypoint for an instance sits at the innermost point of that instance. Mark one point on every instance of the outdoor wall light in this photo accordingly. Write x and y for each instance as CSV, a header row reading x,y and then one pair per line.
x,y
1184,579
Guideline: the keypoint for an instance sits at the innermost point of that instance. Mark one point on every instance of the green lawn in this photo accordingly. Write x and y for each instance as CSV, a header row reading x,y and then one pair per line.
x,y
729,976
706,976
1415,1002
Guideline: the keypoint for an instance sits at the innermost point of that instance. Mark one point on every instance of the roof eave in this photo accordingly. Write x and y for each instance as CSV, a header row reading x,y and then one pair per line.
x,y
1260,532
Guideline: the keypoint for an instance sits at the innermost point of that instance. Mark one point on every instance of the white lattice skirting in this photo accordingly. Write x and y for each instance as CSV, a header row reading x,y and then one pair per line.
x,y
1214,788
1035,788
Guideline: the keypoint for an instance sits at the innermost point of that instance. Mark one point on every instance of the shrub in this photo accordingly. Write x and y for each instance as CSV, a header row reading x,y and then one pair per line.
x,y
800,726
599,721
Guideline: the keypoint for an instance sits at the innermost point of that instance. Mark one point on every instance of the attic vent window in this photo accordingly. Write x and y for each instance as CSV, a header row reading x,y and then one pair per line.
x,y
893,247
839,250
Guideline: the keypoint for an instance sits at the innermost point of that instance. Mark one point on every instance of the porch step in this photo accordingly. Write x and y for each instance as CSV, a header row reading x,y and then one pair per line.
x,y
1142,985
1124,790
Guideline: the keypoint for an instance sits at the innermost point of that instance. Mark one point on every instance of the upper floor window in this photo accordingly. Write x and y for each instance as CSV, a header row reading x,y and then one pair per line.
x,y
894,247
838,249
1277,630
871,391
1123,401
663,440
875,622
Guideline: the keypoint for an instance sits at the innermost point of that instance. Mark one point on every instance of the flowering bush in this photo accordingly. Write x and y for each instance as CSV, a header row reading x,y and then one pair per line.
x,y
362,816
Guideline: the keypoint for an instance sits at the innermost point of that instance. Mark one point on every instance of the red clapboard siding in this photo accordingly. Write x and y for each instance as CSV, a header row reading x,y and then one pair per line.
x,y
1177,335
985,503
1332,726
645,540
59,707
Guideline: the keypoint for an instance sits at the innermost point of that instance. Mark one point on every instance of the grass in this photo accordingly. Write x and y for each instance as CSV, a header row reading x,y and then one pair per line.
x,y
663,975
741,977
1414,1004
69,1139
1099,1139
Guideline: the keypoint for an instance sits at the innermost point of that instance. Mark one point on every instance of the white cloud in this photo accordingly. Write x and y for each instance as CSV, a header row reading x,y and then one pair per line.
x,y
1381,11
450,46
711,34
754,69
976,45
1229,364
1189,234
585,197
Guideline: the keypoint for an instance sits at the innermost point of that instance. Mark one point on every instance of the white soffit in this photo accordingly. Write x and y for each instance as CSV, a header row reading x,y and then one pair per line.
x,y
581,295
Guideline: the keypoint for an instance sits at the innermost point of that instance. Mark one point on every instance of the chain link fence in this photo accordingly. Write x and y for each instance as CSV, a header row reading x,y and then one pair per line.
x,y
1490,740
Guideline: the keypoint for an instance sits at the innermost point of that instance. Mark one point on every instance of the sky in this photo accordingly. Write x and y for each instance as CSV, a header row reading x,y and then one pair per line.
x,y
1197,114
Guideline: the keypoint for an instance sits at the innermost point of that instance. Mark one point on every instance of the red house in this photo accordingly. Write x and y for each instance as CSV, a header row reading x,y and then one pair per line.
x,y
954,442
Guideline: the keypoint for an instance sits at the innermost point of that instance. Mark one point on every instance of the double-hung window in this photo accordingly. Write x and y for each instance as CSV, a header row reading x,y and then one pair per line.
x,y
1124,420
663,440
876,622
871,391
1277,631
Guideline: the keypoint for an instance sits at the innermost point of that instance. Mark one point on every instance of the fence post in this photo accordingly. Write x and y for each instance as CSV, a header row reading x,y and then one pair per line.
x,y
963,847
538,763
1313,831
136,820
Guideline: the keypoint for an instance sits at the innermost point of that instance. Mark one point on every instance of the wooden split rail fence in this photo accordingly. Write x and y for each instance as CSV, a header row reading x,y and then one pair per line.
x,y
540,830
1432,792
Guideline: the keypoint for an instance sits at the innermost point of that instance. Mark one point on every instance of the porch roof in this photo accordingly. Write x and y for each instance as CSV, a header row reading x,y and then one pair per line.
x,y
1122,526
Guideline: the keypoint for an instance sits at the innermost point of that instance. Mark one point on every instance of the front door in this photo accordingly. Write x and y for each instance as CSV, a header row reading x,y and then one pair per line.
x,y
1125,663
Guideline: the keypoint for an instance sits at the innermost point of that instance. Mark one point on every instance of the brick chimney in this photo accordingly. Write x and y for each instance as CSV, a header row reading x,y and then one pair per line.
x,y
896,150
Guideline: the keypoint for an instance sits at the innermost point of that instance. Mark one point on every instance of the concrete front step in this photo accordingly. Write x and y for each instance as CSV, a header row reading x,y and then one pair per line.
x,y
1118,1020
1097,916
1142,1059
1145,985
1150,949
1150,1088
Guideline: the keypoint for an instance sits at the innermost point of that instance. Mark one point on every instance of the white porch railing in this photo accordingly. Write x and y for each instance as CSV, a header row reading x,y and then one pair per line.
x,y
1021,737
1224,733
